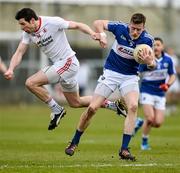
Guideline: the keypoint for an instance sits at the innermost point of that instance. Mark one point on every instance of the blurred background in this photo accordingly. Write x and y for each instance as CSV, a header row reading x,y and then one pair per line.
x,y
162,21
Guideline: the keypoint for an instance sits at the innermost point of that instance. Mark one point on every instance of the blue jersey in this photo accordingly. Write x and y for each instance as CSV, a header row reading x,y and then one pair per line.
x,y
120,58
152,79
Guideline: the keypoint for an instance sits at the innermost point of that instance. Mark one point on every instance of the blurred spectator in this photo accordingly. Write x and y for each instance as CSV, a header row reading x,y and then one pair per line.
x,y
83,76
173,93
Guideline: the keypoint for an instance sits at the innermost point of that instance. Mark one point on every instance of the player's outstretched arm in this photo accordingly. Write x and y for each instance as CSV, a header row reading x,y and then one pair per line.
x,y
84,28
100,26
15,60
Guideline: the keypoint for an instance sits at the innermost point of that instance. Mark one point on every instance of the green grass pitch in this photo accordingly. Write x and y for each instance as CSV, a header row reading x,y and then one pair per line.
x,y
26,146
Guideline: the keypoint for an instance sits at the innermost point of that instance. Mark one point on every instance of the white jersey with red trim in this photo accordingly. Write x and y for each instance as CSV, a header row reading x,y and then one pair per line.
x,y
51,38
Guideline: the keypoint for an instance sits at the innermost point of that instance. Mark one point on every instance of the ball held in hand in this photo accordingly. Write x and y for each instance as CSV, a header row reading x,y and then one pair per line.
x,y
139,48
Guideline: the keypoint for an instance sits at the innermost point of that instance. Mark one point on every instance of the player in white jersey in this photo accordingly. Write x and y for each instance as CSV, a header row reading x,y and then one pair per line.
x,y
120,72
3,67
154,85
49,35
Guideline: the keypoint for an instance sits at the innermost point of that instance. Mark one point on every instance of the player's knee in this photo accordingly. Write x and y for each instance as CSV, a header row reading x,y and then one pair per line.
x,y
150,121
90,111
133,107
29,84
89,114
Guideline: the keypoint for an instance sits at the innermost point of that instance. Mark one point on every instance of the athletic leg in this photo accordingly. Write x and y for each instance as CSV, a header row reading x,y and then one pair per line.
x,y
131,99
149,116
85,118
76,101
102,92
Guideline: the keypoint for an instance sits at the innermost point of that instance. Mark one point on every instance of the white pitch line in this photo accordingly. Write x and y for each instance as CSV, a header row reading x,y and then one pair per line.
x,y
90,165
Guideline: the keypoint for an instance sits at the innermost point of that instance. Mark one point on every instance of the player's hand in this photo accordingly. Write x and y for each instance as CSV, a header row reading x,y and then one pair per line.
x,y
164,87
9,74
146,56
96,36
101,37
103,40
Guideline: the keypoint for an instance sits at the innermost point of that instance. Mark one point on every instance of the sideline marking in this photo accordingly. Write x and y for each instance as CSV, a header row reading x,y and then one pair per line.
x,y
91,165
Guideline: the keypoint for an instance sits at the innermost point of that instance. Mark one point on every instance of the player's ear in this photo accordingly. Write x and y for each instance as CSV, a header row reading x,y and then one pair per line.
x,y
32,21
143,28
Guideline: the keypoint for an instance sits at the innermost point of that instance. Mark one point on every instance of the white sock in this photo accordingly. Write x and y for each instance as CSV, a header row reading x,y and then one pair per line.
x,y
145,136
55,108
110,105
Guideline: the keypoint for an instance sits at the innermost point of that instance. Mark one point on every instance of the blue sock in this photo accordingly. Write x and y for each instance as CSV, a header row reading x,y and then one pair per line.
x,y
139,123
125,141
144,140
77,137
136,129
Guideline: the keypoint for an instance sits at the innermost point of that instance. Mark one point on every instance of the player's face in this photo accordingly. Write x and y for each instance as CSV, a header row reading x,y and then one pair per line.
x,y
158,48
135,30
28,27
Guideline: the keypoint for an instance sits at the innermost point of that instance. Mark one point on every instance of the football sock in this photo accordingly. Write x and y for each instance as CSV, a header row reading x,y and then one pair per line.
x,y
139,123
77,137
125,141
109,105
145,139
55,108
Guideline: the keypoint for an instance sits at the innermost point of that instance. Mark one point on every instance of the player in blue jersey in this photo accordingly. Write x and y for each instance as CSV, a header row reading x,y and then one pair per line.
x,y
153,88
120,72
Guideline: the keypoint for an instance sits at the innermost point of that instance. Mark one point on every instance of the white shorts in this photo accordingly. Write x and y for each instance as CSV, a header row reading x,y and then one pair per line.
x,y
156,101
65,72
110,81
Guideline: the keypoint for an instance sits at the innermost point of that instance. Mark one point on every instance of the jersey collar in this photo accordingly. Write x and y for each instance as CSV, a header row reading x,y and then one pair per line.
x,y
40,22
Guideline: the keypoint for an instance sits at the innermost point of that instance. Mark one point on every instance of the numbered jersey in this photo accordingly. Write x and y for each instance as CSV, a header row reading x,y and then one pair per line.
x,y
120,58
152,79
51,38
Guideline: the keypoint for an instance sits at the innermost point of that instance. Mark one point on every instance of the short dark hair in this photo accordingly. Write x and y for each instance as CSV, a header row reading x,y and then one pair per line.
x,y
27,14
138,18
158,39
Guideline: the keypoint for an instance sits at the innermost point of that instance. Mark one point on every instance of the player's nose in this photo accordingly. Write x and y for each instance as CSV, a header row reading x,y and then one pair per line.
x,y
135,32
